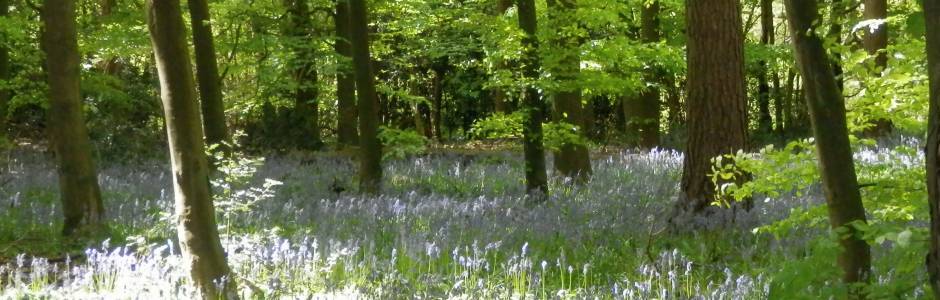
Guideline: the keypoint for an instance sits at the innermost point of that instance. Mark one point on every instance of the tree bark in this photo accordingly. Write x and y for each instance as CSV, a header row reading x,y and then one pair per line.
x,y
78,180
717,101
826,107
198,235
764,120
877,41
932,17
207,74
347,134
306,92
534,150
573,159
370,160
642,113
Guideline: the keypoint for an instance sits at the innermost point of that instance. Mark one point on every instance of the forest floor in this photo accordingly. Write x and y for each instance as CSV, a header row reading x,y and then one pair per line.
x,y
448,225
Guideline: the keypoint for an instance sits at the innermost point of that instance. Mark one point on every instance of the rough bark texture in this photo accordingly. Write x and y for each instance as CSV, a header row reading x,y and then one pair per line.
x,y
764,120
534,151
573,159
642,112
207,74
370,158
306,115
78,180
827,114
196,226
347,133
932,16
717,102
5,74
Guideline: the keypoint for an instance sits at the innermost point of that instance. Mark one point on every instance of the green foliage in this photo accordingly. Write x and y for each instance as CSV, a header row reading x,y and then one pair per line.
x,y
400,144
558,134
499,126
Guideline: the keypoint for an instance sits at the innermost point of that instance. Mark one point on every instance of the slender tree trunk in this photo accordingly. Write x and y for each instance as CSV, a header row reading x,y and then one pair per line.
x,y
717,103
764,120
370,160
876,43
5,74
306,92
78,180
499,95
827,114
572,160
437,101
347,133
207,74
643,115
535,174
198,235
932,17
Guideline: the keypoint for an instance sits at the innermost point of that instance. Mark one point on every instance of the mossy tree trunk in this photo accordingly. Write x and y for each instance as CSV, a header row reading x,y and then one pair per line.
x,y
207,74
78,180
826,107
196,227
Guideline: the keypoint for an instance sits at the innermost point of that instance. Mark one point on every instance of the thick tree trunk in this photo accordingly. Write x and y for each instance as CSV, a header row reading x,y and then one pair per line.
x,y
827,114
78,180
370,158
717,103
572,160
932,17
207,74
534,151
306,92
643,114
764,120
348,119
5,74
198,235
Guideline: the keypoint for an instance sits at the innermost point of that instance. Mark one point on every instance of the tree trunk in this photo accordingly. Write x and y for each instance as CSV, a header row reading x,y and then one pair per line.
x,y
573,159
534,151
932,17
876,41
370,160
78,180
347,133
306,93
437,99
5,74
643,112
207,74
764,120
717,103
826,107
198,235
837,11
